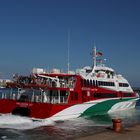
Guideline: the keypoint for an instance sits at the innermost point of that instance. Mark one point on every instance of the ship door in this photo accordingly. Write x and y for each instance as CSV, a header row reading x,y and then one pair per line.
x,y
88,95
85,96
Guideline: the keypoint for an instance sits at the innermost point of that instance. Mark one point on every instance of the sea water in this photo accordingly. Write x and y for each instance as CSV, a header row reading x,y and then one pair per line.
x,y
20,128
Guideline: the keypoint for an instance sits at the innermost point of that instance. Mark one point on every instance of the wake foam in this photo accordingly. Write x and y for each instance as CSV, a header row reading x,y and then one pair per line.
x,y
22,123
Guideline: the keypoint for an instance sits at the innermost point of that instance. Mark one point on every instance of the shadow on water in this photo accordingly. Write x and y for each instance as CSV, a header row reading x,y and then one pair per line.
x,y
129,117
138,103
101,120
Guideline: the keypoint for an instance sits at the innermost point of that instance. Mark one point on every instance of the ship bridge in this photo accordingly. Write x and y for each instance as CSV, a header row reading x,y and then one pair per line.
x,y
103,72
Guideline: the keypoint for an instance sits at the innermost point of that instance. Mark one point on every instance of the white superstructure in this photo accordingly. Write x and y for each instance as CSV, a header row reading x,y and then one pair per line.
x,y
104,76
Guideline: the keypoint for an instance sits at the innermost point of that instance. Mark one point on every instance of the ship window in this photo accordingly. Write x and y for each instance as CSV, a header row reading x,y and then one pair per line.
x,y
88,83
55,96
85,83
49,96
96,83
71,82
30,96
127,94
103,83
9,93
63,96
123,84
91,83
24,98
105,95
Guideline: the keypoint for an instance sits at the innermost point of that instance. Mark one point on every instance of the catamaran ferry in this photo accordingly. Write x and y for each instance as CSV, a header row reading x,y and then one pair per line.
x,y
59,96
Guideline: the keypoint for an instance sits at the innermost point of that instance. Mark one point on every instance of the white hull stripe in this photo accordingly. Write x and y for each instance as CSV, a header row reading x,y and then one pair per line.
x,y
95,107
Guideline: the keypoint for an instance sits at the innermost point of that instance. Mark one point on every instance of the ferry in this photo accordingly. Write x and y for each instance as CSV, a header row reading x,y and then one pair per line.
x,y
59,96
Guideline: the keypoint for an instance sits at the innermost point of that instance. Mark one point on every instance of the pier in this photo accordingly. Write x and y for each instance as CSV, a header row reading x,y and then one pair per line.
x,y
129,133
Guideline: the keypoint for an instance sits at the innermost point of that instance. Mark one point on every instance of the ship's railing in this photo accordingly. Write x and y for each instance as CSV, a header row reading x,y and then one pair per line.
x,y
9,93
32,95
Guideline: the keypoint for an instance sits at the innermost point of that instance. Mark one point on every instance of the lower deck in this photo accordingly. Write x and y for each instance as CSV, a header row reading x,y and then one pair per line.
x,y
46,103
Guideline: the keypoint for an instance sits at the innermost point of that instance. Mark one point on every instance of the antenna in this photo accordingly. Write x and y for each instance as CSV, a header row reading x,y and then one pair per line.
x,y
68,51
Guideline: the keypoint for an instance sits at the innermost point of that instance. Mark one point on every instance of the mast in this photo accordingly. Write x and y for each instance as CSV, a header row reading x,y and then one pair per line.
x,y
68,51
94,56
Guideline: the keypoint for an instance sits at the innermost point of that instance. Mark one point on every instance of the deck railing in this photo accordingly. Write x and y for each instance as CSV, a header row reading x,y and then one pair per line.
x,y
38,96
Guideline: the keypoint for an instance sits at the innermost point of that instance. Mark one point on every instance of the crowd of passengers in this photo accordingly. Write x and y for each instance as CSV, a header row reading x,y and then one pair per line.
x,y
63,82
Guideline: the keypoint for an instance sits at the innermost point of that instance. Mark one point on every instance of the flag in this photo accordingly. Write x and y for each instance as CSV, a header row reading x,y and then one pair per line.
x,y
99,54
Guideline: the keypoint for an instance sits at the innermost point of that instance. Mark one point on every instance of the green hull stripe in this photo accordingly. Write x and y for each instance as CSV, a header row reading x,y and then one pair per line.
x,y
102,107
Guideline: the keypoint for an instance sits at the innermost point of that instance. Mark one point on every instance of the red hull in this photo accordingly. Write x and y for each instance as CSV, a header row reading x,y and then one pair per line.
x,y
37,110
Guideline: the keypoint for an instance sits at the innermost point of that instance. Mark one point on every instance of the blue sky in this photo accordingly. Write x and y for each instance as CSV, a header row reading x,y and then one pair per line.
x,y
34,33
